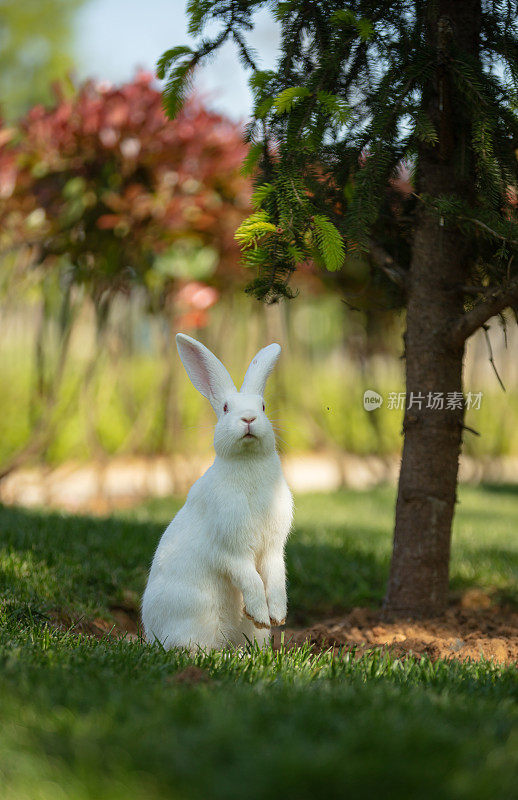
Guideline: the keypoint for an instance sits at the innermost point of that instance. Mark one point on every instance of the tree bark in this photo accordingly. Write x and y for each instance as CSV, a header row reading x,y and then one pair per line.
x,y
418,583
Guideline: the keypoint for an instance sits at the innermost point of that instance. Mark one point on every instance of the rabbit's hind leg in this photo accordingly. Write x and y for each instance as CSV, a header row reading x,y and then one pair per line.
x,y
195,636
181,619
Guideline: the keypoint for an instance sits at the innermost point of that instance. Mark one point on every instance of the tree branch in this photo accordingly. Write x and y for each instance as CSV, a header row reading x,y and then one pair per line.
x,y
485,328
489,230
385,262
495,302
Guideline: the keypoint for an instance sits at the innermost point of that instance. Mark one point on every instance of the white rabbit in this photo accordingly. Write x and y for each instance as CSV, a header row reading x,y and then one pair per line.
x,y
218,575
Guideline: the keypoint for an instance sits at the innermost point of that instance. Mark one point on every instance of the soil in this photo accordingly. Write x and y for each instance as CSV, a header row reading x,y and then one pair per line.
x,y
472,629
190,676
463,633
125,624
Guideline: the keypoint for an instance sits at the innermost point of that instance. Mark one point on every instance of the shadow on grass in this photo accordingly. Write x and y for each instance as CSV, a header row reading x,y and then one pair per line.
x,y
500,488
493,569
88,565
83,564
326,579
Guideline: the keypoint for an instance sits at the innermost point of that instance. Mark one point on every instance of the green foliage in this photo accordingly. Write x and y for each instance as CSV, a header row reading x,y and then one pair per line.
x,y
336,108
346,106
285,100
179,76
166,59
346,17
253,228
329,241
424,130
261,193
251,159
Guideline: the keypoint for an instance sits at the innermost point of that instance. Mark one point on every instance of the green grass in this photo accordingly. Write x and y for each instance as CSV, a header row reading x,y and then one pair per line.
x,y
83,718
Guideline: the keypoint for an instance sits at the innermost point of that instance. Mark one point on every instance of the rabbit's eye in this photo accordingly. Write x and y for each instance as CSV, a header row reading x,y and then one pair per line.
x,y
225,408
264,408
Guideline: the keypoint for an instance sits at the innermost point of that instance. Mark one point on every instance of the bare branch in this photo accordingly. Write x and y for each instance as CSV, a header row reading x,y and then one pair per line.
x,y
386,263
471,430
489,230
485,328
495,302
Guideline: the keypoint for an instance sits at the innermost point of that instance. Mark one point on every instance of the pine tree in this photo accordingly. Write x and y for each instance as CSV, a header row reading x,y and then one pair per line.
x,y
359,88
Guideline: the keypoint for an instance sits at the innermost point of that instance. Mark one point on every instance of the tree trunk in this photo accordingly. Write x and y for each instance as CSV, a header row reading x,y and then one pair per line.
x,y
418,583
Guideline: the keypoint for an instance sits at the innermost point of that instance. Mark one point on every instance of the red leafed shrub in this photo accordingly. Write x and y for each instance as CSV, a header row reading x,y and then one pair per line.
x,y
105,187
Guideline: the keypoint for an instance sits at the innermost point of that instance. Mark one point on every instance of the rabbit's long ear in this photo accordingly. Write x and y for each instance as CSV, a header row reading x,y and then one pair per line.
x,y
206,372
260,367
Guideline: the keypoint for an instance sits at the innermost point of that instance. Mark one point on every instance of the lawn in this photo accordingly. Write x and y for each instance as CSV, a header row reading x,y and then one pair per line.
x,y
88,718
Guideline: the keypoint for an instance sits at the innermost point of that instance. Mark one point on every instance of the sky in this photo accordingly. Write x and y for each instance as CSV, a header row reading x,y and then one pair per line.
x,y
115,37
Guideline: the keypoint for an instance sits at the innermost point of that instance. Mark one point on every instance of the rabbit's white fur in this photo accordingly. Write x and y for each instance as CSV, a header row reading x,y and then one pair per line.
x,y
218,575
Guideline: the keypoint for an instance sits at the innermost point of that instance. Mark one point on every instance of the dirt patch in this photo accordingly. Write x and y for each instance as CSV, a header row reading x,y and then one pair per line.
x,y
125,624
190,676
464,633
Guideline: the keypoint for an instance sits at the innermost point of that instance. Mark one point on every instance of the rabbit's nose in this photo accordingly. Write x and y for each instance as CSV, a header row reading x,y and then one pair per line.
x,y
248,420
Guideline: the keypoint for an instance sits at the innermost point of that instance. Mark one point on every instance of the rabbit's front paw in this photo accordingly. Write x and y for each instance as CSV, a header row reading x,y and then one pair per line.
x,y
277,610
259,623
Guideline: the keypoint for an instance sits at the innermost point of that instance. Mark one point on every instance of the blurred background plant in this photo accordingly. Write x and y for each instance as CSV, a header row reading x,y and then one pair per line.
x,y
117,230
109,209
36,49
